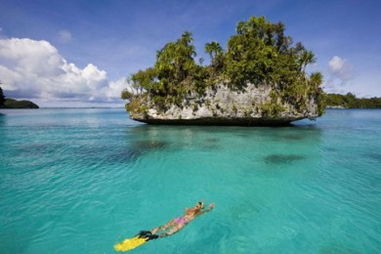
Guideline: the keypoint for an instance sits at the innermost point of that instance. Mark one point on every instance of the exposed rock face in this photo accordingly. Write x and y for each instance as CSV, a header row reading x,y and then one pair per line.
x,y
223,106
335,107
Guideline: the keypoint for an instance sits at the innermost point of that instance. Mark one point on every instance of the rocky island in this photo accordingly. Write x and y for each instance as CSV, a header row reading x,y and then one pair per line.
x,y
260,79
15,104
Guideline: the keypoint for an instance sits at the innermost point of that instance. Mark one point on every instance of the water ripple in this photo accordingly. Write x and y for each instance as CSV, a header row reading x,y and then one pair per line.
x,y
80,181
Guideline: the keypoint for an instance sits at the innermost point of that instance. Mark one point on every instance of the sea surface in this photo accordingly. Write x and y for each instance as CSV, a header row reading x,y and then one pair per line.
x,y
80,180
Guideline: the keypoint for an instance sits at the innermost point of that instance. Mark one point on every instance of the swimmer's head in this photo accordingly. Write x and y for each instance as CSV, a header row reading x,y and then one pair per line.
x,y
200,205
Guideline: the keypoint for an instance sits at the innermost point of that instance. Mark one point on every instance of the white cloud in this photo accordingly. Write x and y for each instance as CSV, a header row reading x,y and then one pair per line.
x,y
340,74
340,68
64,36
35,69
115,88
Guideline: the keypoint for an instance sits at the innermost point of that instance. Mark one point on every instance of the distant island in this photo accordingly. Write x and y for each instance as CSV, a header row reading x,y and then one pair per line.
x,y
351,101
15,104
259,79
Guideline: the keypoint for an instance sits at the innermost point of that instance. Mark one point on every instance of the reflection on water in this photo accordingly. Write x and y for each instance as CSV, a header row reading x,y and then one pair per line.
x,y
124,156
293,137
148,145
134,149
212,138
376,157
283,158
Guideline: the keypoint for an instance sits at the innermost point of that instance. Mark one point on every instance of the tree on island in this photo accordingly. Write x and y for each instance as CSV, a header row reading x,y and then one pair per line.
x,y
215,52
2,97
259,53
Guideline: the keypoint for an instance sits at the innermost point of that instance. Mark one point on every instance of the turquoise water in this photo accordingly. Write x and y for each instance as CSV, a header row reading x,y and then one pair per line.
x,y
80,180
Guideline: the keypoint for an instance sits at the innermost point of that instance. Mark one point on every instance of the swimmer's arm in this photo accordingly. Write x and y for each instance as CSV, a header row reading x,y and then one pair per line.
x,y
211,206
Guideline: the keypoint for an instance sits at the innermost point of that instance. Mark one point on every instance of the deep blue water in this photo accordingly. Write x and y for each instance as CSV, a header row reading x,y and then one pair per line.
x,y
80,180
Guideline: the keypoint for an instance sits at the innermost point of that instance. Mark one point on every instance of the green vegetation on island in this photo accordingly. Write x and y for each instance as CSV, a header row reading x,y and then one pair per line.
x,y
2,97
12,103
258,54
349,100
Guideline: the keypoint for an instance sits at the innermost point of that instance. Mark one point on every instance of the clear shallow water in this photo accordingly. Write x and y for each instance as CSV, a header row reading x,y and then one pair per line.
x,y
80,180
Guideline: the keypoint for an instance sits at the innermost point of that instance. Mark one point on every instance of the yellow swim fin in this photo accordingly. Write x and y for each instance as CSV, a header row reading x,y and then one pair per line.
x,y
132,243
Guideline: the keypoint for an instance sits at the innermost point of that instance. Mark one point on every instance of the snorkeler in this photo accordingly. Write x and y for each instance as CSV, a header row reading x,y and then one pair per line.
x,y
168,229
174,225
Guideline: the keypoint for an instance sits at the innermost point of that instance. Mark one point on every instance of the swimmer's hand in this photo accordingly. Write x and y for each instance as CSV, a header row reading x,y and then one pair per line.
x,y
210,207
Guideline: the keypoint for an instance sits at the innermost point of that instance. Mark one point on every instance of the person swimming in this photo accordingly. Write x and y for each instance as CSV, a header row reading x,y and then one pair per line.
x,y
176,224
173,226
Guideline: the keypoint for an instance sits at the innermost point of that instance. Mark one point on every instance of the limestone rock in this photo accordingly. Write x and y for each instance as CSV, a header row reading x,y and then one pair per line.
x,y
220,105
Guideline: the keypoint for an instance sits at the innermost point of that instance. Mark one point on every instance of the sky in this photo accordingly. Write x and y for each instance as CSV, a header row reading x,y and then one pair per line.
x,y
80,53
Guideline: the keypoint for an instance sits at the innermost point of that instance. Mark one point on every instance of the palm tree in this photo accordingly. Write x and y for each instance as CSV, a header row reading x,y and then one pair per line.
x,y
307,57
186,37
213,49
316,79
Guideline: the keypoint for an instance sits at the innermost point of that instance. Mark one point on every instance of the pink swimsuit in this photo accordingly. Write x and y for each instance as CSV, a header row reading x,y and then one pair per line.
x,y
181,221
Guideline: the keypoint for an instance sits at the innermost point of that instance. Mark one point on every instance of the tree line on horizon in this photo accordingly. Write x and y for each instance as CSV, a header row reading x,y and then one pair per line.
x,y
350,100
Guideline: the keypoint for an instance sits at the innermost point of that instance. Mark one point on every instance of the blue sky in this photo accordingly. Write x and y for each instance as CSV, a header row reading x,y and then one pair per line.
x,y
101,42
